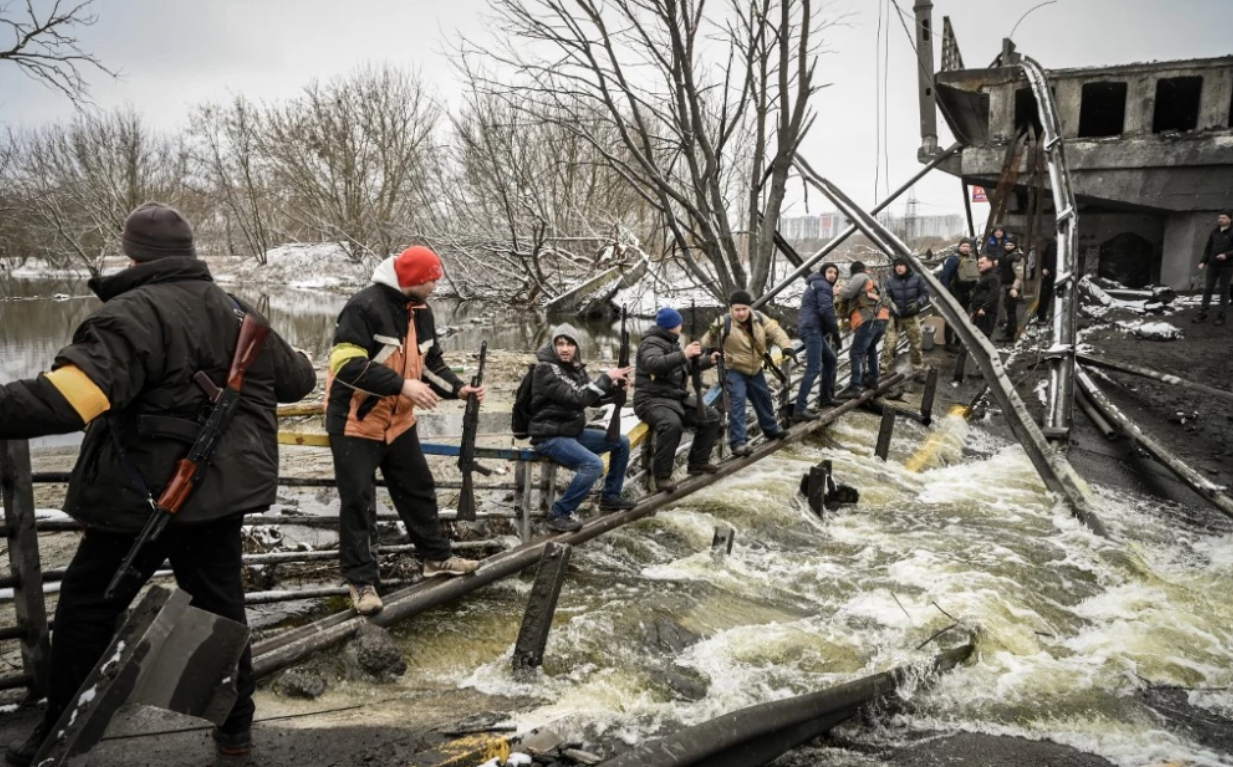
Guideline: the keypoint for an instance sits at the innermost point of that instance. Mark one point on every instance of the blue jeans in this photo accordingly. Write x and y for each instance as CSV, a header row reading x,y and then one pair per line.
x,y
581,454
819,356
864,355
754,387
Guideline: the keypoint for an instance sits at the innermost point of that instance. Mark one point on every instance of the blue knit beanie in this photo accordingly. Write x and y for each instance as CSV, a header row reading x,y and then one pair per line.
x,y
669,318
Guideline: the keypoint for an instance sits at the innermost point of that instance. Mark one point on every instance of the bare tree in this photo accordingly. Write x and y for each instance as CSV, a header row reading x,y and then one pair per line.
x,y
76,183
347,159
46,48
707,103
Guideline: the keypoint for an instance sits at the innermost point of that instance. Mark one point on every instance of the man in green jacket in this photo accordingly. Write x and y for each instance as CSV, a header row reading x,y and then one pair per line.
x,y
745,336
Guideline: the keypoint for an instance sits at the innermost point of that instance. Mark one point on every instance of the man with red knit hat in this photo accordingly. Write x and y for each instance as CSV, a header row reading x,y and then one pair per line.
x,y
385,364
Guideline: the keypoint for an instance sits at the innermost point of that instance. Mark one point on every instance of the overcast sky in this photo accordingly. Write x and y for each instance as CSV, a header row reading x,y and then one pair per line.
x,y
174,54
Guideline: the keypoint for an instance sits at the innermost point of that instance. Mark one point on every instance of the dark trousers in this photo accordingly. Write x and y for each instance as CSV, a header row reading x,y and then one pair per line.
x,y
1217,274
669,426
411,488
863,356
986,323
819,357
206,559
1011,305
1044,302
962,294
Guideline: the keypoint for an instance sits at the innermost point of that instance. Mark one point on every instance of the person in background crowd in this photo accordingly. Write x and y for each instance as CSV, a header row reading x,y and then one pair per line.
x,y
984,307
1010,276
994,245
560,395
385,364
906,297
1048,276
868,320
1218,262
662,399
818,324
960,274
128,379
747,336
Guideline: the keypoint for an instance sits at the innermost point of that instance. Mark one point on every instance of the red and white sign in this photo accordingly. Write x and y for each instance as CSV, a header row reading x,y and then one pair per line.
x,y
979,194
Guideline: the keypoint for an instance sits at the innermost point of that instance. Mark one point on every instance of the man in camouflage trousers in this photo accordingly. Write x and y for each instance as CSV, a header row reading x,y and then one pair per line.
x,y
907,297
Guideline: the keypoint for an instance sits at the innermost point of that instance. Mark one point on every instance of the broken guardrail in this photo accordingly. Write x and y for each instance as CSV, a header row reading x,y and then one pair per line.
x,y
1201,485
756,735
1058,475
1137,370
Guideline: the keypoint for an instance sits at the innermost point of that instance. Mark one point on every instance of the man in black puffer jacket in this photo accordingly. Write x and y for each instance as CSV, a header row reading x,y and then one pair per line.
x,y
127,378
907,295
663,401
1217,261
984,307
561,392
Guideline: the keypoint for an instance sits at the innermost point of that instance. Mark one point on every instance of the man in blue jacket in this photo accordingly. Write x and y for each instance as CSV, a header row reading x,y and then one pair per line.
x,y
818,323
908,297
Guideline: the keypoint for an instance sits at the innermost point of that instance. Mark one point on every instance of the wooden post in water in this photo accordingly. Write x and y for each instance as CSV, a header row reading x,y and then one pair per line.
x,y
961,363
541,606
24,567
884,433
926,400
721,543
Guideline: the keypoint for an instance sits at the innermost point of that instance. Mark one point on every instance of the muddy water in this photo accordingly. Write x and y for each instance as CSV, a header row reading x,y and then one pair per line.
x,y
1065,624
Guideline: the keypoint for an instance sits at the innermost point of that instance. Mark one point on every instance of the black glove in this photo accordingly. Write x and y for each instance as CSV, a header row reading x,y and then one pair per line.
x,y
836,341
913,309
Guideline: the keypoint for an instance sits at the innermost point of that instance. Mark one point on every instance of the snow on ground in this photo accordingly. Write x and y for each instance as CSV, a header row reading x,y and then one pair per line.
x,y
1153,331
302,265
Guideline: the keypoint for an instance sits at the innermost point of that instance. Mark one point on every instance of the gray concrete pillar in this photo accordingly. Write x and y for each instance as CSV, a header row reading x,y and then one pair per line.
x,y
1184,238
1140,105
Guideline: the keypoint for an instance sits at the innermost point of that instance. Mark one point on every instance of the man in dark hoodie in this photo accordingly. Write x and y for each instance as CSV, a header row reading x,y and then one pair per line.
x,y
128,379
818,323
1010,276
385,364
1048,278
906,297
663,401
995,244
984,307
1218,262
561,392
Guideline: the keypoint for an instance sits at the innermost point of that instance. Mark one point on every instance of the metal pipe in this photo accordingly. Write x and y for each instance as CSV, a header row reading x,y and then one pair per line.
x,y
830,247
289,647
1196,482
1093,415
1058,475
1125,367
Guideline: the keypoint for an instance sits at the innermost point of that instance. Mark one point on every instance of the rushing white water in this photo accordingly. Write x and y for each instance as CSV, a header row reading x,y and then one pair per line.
x,y
1065,623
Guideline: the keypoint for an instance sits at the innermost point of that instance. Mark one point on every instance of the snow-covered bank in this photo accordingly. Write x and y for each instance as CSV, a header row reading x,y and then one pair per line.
x,y
297,265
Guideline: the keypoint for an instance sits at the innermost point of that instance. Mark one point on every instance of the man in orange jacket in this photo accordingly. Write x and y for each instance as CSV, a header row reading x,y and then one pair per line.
x,y
868,320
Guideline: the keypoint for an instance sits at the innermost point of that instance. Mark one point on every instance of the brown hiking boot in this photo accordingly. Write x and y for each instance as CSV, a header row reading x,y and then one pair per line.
x,y
697,469
665,485
451,566
364,598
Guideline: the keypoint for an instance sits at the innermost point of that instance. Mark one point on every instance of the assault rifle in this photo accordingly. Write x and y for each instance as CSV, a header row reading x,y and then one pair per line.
x,y
721,368
191,468
619,396
466,451
695,365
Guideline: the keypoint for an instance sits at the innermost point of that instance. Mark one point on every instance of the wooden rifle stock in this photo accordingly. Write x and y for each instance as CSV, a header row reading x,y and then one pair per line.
x,y
466,449
619,396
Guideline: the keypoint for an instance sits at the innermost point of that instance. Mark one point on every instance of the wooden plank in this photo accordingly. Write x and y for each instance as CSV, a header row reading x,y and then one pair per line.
x,y
24,565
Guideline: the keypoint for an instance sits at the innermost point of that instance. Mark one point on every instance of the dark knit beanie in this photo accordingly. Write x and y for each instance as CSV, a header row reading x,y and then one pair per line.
x,y
1227,213
856,268
740,298
156,230
828,265
669,318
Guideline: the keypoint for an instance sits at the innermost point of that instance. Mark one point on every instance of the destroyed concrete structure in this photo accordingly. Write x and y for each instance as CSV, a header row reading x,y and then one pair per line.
x,y
1149,147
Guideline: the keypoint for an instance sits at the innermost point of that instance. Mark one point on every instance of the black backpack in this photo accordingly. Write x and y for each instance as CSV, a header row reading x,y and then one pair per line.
x,y
520,418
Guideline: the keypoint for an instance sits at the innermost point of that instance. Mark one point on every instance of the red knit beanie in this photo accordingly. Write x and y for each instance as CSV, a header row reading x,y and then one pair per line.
x,y
417,265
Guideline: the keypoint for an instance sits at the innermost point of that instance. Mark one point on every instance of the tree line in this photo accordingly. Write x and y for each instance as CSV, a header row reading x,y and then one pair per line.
x,y
595,133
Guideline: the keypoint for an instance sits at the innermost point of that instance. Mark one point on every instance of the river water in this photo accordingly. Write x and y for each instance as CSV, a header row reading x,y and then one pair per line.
x,y
1066,625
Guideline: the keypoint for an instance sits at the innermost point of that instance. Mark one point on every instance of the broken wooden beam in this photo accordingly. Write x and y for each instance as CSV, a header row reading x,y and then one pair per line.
x,y
1139,370
541,607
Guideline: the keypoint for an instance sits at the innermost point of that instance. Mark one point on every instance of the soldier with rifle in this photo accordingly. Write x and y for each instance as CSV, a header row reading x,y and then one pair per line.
x,y
384,365
663,401
466,450
176,384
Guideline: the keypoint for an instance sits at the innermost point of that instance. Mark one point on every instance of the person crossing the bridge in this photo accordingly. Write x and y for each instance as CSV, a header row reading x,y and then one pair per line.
x,y
906,297
745,337
819,328
663,401
1217,261
959,274
1010,276
561,392
384,365
129,379
984,307
868,318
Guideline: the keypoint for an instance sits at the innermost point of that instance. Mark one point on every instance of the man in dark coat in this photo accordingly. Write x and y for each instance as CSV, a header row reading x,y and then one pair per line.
x,y
906,297
128,379
561,392
994,245
1048,277
1217,261
1010,276
984,307
818,323
386,363
663,401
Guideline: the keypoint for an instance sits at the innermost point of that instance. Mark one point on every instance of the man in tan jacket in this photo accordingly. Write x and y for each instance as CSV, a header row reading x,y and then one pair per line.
x,y
745,336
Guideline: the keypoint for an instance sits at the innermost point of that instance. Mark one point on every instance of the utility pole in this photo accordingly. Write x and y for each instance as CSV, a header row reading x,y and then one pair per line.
x,y
928,100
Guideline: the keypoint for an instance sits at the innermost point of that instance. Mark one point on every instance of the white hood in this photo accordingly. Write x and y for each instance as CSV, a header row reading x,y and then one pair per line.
x,y
384,274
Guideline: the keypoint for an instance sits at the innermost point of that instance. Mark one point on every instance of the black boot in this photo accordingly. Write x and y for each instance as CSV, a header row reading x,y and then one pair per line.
x,y
233,743
1220,318
804,416
1202,316
665,485
698,469
21,755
